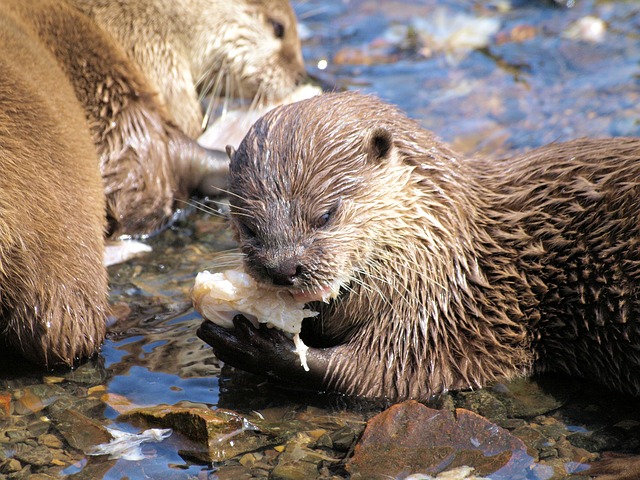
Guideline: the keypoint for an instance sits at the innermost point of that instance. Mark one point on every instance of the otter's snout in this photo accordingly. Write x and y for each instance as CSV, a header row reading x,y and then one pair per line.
x,y
284,273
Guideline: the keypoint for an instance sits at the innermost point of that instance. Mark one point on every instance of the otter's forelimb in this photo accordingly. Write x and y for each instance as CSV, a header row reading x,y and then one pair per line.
x,y
268,352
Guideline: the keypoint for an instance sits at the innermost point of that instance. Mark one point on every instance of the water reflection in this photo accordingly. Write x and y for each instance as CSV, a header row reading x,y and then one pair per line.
x,y
528,86
143,388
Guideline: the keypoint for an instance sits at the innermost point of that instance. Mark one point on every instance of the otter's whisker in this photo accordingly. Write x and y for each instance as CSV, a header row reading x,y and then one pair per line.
x,y
215,86
233,194
203,207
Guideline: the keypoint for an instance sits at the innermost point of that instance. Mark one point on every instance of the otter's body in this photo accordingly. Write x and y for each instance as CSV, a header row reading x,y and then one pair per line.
x,y
91,144
455,272
52,282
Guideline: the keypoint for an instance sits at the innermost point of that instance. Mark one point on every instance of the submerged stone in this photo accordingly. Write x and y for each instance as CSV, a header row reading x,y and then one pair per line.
x,y
80,431
219,434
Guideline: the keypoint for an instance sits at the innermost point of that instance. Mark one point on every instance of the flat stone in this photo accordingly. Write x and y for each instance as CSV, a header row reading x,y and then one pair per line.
x,y
531,436
236,472
484,403
324,442
247,460
598,441
525,397
24,474
36,398
221,434
411,438
51,441
10,465
41,476
17,435
343,438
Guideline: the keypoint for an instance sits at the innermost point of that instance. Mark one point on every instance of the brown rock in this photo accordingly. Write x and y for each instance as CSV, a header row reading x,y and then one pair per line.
x,y
411,438
80,431
10,465
51,441
38,456
300,470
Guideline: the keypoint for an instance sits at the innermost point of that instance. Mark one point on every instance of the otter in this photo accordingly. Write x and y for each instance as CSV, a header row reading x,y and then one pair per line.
x,y
52,207
454,272
246,48
142,101
98,122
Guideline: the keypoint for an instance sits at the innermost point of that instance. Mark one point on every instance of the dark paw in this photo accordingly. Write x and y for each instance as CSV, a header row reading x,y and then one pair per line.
x,y
257,350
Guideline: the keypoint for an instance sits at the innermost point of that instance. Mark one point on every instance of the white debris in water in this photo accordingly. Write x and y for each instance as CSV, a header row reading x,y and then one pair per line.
x,y
587,29
246,426
128,446
120,251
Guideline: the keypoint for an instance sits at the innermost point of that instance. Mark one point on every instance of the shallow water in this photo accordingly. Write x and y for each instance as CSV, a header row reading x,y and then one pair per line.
x,y
527,84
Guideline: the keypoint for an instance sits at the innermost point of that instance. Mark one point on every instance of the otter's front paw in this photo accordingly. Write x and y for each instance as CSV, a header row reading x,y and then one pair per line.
x,y
264,351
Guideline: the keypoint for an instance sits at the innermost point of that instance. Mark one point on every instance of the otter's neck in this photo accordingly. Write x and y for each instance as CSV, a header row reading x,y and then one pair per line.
x,y
450,302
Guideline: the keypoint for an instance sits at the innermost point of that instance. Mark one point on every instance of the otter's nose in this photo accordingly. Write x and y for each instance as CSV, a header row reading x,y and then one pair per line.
x,y
284,273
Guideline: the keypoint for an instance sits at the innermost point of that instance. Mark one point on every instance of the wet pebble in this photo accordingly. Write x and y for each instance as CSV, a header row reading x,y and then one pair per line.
x,y
598,441
42,476
10,465
36,456
343,439
80,431
237,472
34,399
482,402
296,470
587,29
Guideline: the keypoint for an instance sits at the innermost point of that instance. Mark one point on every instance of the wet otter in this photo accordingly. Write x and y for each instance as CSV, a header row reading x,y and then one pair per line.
x,y
86,128
141,99
52,282
244,48
454,272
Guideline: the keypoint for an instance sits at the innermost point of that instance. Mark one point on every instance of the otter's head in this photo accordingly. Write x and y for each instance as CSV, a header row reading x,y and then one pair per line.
x,y
312,184
246,48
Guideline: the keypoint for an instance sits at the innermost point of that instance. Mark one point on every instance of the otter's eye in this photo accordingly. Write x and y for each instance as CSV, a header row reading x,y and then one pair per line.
x,y
326,217
278,28
323,219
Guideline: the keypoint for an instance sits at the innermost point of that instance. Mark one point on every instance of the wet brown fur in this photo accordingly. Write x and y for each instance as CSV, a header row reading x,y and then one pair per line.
x,y
83,130
190,45
455,272
52,282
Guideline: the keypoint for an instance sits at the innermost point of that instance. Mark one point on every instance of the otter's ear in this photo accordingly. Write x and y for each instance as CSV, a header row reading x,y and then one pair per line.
x,y
230,151
379,144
